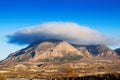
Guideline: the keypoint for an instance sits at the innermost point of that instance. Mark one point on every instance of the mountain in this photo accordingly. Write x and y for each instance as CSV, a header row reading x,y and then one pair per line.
x,y
105,52
100,51
117,51
45,51
58,50
84,50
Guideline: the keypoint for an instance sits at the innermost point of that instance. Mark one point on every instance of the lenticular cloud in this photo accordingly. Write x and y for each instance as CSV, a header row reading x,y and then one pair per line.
x,y
68,31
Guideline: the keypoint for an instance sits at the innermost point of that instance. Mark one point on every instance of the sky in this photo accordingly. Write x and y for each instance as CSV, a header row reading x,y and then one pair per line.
x,y
97,17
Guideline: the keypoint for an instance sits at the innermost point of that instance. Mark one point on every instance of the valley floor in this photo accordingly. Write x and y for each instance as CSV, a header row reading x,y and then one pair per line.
x,y
72,70
92,77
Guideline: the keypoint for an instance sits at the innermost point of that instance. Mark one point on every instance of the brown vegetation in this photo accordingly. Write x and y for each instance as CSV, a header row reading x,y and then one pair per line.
x,y
2,77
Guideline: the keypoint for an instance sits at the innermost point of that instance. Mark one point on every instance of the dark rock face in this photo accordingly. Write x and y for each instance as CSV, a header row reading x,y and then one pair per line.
x,y
117,51
94,49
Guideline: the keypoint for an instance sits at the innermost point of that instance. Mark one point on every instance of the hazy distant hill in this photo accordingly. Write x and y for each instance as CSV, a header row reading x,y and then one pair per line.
x,y
117,51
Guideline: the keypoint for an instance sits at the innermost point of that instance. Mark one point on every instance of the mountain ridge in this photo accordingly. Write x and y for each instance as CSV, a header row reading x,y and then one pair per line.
x,y
54,50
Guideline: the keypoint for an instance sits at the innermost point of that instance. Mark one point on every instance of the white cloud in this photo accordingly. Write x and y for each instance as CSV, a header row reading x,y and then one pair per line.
x,y
68,31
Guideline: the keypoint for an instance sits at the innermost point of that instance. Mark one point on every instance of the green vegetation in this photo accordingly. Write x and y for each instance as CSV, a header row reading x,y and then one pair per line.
x,y
77,57
64,58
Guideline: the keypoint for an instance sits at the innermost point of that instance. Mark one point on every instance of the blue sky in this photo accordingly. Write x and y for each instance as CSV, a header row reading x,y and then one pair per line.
x,y
101,15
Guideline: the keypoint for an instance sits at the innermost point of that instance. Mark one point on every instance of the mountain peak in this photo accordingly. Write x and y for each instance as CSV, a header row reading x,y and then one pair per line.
x,y
39,42
51,50
59,50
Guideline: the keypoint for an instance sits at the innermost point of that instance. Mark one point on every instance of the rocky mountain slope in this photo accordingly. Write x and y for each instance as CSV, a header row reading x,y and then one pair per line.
x,y
45,51
48,51
100,51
